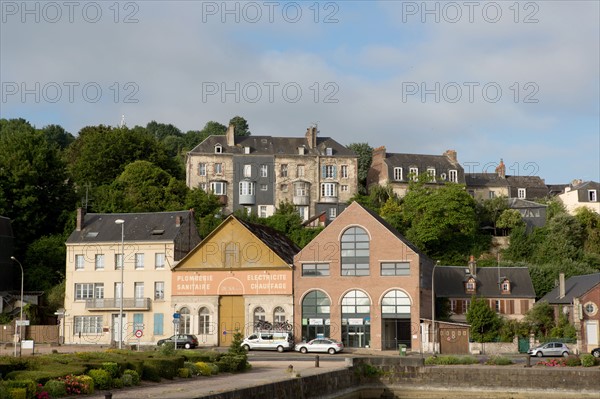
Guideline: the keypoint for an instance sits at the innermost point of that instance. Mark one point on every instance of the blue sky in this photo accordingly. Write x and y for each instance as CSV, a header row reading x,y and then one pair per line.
x,y
517,80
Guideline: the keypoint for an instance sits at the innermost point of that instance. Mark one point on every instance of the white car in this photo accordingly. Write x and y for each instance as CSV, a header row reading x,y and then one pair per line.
x,y
550,349
328,345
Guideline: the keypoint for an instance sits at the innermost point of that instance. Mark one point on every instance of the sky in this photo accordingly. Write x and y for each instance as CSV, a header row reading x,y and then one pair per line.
x,y
511,80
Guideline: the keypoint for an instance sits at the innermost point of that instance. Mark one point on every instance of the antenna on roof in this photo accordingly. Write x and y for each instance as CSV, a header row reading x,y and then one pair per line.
x,y
315,125
122,123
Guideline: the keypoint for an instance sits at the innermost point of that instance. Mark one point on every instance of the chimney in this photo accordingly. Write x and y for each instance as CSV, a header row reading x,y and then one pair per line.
x,y
230,135
311,137
451,155
561,285
80,216
472,266
501,169
178,220
378,154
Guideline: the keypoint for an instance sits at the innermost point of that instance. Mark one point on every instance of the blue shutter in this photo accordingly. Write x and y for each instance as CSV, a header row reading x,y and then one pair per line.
x,y
335,172
138,321
158,323
323,171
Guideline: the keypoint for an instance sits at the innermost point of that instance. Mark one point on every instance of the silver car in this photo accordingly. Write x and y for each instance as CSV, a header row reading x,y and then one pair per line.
x,y
328,345
550,349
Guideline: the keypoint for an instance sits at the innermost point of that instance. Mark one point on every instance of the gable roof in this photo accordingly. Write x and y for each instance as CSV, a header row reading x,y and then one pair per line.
x,y
449,282
590,185
575,287
269,145
518,203
151,226
276,241
421,160
494,180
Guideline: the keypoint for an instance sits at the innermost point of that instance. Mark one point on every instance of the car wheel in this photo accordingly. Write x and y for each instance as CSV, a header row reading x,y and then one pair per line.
x,y
246,347
331,351
565,354
596,353
280,349
187,345
539,354
303,349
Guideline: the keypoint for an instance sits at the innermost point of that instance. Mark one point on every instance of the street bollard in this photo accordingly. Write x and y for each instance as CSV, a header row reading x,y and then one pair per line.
x,y
108,395
528,364
317,361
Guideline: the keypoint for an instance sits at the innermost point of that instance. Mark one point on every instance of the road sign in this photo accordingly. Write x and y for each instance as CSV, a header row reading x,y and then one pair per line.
x,y
22,322
139,333
176,315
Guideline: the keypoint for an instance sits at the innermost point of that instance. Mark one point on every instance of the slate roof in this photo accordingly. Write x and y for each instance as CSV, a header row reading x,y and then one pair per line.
x,y
269,145
276,241
518,203
449,282
555,189
422,161
153,226
494,180
574,288
591,185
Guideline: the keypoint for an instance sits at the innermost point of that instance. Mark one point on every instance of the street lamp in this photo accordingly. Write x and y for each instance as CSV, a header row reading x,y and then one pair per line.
x,y
433,303
122,223
21,316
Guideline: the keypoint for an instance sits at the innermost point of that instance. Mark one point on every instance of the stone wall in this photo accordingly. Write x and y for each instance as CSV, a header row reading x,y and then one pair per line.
x,y
493,348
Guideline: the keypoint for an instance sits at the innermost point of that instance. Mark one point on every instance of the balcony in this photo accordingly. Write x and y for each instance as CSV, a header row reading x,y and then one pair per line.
x,y
247,199
329,199
301,200
115,303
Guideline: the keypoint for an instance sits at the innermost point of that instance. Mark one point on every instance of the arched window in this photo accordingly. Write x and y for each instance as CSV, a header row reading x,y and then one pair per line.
x,y
356,319
259,314
203,321
278,315
355,302
315,309
184,321
355,252
395,304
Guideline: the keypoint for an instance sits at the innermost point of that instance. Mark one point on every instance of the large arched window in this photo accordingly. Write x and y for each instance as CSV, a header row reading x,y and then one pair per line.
x,y
184,321
259,314
204,321
315,310
355,302
355,252
395,304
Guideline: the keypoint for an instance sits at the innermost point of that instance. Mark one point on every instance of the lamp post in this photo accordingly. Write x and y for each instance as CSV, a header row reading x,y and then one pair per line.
x,y
433,304
21,315
122,223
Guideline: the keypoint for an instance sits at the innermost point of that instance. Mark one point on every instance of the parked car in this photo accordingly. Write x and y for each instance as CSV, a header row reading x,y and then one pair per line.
x,y
328,345
596,352
269,340
187,341
550,349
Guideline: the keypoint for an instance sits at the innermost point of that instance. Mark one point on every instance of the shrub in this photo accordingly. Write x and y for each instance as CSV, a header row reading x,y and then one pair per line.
x,y
552,363
87,384
18,393
135,377
167,366
74,385
192,368
448,360
214,368
56,388
232,363
117,383
368,370
28,385
204,368
184,372
200,356
112,368
499,361
167,350
573,361
150,373
127,380
102,378
587,360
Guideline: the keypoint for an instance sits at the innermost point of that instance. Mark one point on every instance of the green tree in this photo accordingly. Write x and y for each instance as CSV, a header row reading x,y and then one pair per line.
x,y
391,211
56,134
510,219
484,322
161,131
590,222
45,260
540,318
365,155
442,221
241,126
560,239
35,191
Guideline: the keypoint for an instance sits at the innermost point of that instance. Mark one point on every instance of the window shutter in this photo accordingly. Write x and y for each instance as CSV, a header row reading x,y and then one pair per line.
x,y
138,321
335,172
323,171
158,323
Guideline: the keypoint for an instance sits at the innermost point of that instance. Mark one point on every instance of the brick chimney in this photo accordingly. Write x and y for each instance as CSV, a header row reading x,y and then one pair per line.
x,y
311,137
230,135
451,155
80,217
501,169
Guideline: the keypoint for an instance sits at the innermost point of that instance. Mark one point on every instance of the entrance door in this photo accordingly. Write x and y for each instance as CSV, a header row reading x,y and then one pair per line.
x,y
116,325
395,332
231,318
356,336
591,334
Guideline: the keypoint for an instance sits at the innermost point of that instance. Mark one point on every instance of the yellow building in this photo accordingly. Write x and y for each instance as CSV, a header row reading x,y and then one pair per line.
x,y
95,283
238,275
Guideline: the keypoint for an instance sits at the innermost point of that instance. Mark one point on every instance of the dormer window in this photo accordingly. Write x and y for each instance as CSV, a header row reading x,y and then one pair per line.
x,y
218,149
470,286
328,151
505,286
